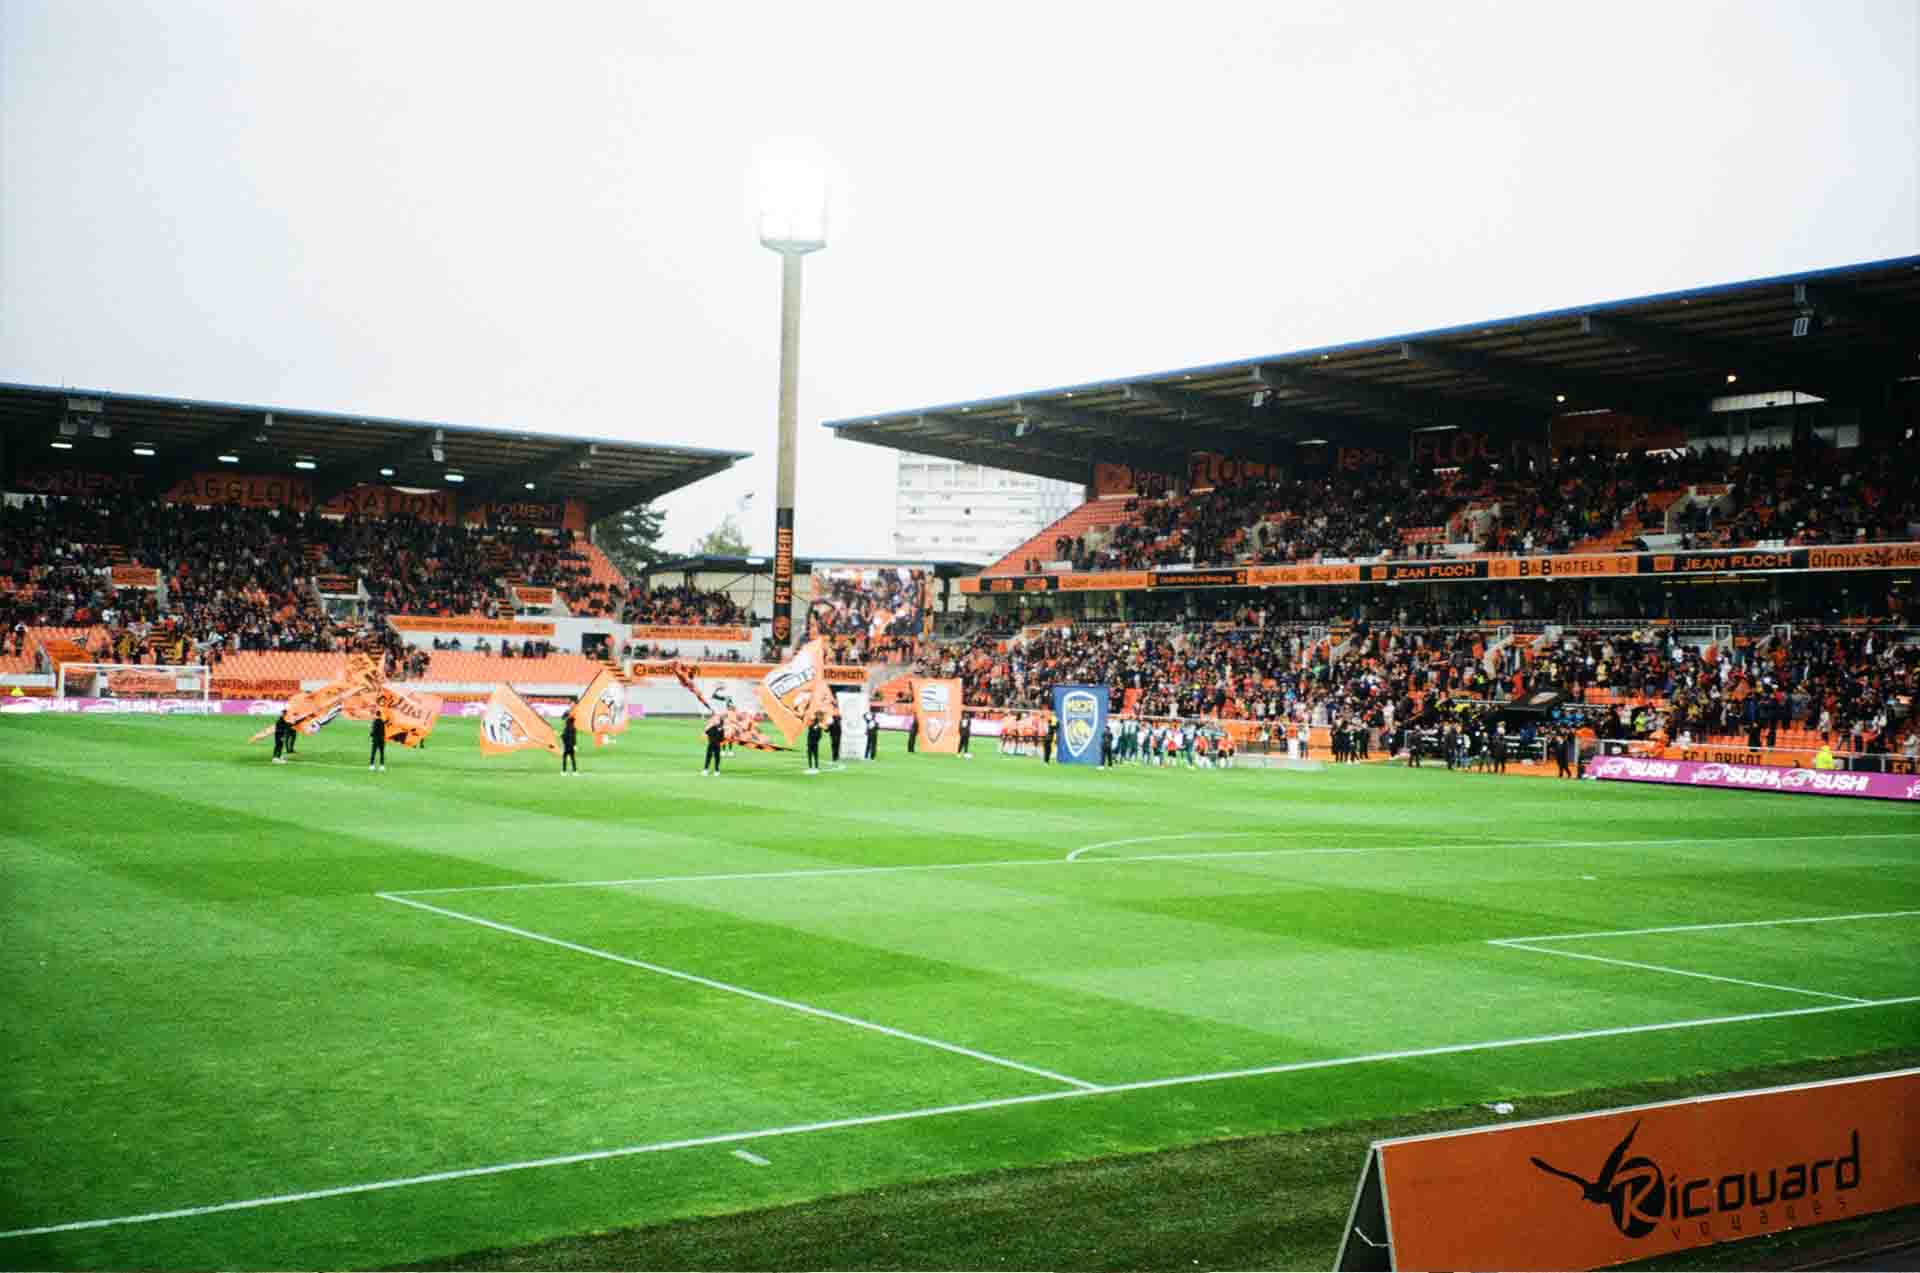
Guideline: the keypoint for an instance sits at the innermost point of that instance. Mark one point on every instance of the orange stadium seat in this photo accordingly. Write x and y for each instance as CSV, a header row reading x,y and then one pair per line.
x,y
466,667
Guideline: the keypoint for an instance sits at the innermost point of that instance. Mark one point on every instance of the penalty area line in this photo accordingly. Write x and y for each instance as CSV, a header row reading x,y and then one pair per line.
x,y
937,1111
791,1005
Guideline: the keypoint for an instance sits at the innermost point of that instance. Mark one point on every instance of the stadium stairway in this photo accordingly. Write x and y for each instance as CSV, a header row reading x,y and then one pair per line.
x,y
1103,513
1658,502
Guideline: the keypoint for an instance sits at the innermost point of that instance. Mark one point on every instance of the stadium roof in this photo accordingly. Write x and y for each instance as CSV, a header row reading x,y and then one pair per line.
x,y
1842,335
345,450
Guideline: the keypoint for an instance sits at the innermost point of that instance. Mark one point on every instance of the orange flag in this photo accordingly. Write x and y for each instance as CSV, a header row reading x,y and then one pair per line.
x,y
310,709
937,706
410,717
602,709
798,688
511,724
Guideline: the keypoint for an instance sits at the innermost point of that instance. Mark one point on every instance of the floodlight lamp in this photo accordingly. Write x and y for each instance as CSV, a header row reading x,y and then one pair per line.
x,y
456,477
58,445
386,472
793,203
304,464
143,450
229,458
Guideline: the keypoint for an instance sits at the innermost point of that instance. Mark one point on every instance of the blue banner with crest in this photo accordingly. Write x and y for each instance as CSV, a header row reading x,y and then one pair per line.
x,y
1080,713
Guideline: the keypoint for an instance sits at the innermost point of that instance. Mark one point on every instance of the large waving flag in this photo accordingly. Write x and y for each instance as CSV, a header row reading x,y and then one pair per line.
x,y
511,724
683,672
798,688
602,709
308,710
410,717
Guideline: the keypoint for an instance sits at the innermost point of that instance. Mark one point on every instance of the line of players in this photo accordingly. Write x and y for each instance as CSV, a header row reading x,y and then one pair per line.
x,y
1127,740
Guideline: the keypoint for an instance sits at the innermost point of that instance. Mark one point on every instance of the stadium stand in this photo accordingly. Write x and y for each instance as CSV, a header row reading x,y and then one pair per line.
x,y
683,605
1585,502
1850,688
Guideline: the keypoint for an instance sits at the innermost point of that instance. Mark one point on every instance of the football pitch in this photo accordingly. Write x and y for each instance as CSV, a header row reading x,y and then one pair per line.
x,y
312,1016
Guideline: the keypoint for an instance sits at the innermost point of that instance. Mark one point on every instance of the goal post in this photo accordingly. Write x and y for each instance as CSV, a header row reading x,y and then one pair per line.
x,y
134,680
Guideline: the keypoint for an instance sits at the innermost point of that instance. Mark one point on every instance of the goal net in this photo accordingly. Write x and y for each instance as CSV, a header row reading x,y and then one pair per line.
x,y
133,680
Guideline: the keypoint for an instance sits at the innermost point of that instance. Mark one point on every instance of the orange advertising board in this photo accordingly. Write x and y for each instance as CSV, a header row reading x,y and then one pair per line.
x,y
1632,1184
689,632
1105,579
468,623
838,673
134,577
1270,575
1585,566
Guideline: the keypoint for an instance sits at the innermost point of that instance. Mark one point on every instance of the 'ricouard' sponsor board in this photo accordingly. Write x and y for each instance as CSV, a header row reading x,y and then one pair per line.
x,y
1592,1190
1804,782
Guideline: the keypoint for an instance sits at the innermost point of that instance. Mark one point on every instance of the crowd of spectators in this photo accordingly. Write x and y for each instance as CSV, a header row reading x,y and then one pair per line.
x,y
1811,493
1856,688
684,606
235,579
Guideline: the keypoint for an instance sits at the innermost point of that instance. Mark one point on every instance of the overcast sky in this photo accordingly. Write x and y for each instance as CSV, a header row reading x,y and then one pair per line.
x,y
542,216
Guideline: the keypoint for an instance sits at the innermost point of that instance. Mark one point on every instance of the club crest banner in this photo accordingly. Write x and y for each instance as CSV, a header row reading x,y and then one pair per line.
x,y
602,709
936,705
510,724
1081,711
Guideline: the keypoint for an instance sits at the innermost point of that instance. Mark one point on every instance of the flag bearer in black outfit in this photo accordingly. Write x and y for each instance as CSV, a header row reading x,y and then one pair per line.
x,y
833,736
873,734
716,734
966,734
814,730
283,732
569,736
377,752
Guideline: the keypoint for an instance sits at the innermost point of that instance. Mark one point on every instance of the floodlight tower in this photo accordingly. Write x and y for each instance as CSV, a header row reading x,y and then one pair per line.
x,y
793,222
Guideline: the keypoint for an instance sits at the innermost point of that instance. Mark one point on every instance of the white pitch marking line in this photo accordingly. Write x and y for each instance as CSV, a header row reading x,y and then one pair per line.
x,y
749,1156
1678,972
828,871
773,1000
869,1120
1701,928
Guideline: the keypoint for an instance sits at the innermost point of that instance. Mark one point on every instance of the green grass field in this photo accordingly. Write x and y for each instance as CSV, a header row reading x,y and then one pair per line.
x,y
310,1016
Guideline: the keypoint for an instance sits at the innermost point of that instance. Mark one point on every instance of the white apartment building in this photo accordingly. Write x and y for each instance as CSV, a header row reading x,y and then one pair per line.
x,y
945,510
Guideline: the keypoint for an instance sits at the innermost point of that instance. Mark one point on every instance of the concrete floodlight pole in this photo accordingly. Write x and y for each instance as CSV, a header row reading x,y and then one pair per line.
x,y
793,222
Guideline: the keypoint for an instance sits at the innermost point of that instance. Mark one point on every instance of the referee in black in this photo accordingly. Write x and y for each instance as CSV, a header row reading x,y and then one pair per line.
x,y
377,753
